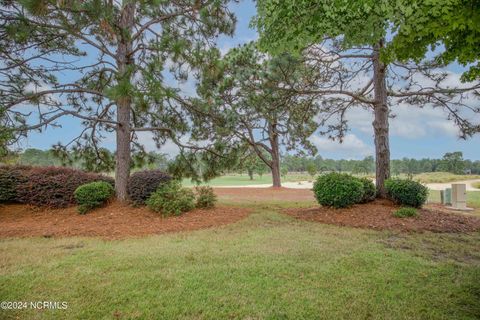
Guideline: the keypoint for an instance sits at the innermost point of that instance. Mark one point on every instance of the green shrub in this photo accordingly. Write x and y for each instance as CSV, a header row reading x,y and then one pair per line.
x,y
93,195
171,199
369,190
338,190
405,212
406,192
206,198
142,184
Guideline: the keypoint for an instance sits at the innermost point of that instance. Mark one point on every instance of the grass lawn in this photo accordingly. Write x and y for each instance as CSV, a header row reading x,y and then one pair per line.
x,y
244,179
442,177
267,266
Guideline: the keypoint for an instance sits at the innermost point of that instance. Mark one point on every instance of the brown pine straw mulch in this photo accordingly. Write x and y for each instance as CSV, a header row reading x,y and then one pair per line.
x,y
115,221
379,215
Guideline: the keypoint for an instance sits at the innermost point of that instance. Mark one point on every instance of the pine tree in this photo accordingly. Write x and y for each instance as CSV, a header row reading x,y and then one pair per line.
x,y
110,64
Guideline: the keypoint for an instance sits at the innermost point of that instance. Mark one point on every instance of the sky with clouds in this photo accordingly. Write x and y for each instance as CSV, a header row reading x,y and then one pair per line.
x,y
414,132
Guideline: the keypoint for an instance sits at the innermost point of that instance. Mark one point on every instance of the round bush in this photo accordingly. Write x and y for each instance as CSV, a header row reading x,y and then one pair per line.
x,y
338,190
93,195
50,186
369,191
206,198
405,212
171,199
406,192
142,184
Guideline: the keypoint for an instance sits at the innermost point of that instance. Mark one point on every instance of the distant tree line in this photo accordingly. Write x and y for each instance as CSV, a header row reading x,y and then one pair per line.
x,y
451,162
36,157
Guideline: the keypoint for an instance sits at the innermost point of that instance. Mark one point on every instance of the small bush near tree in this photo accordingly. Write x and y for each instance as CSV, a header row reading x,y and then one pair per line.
x,y
206,198
405,212
338,190
142,184
93,195
369,191
171,199
406,192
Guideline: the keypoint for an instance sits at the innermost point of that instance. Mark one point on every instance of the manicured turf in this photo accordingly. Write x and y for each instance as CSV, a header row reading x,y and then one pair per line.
x,y
268,266
243,179
442,177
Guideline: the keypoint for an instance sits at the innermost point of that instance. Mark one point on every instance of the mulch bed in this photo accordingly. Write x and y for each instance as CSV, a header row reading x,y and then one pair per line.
x,y
378,215
114,221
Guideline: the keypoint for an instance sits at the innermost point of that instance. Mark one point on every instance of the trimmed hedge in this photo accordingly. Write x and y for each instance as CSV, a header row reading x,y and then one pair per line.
x,y
46,186
206,198
406,192
369,190
171,199
142,184
338,190
93,195
10,178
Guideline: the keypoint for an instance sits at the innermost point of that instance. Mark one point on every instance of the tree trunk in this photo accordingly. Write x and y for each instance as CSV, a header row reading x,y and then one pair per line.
x,y
380,123
250,173
123,159
275,167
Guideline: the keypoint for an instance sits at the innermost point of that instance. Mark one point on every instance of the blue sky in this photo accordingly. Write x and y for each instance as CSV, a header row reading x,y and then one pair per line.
x,y
415,133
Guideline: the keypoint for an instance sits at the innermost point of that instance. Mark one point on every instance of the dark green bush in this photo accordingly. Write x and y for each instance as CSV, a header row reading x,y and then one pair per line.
x,y
206,198
369,190
142,184
93,195
405,212
171,199
10,178
338,190
406,192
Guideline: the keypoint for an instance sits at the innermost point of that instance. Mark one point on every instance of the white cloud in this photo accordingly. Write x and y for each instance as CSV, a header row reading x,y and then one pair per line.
x,y
352,147
409,122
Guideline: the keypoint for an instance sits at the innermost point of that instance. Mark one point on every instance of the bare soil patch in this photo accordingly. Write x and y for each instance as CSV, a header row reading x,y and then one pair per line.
x,y
264,194
379,215
114,221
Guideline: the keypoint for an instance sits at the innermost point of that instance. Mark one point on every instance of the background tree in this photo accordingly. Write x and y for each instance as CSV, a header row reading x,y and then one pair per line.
x,y
453,162
121,59
345,41
311,169
248,107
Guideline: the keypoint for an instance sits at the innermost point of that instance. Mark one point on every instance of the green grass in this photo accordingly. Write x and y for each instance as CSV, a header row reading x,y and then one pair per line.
x,y
244,179
268,266
442,177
